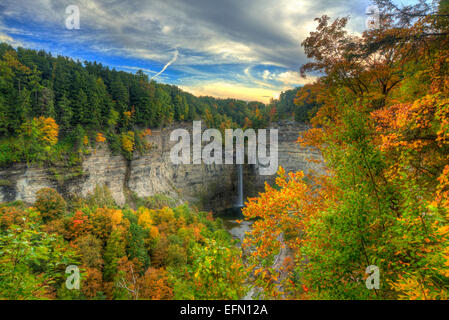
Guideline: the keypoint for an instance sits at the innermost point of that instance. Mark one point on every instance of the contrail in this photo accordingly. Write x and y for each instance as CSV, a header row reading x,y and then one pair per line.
x,y
166,66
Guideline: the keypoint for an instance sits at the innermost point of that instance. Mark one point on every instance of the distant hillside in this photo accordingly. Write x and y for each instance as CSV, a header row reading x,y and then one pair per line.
x,y
287,108
87,102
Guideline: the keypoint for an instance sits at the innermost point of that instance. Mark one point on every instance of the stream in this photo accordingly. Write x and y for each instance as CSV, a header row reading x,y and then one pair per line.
x,y
230,218
238,231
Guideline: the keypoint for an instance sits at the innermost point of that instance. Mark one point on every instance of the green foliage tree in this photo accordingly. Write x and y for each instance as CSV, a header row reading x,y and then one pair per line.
x,y
115,249
31,261
136,245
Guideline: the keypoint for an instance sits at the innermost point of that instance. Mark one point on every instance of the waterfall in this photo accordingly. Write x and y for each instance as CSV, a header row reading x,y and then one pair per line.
x,y
240,187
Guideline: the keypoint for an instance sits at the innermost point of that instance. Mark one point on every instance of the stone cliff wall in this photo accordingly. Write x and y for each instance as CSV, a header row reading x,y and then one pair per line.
x,y
208,185
213,187
291,156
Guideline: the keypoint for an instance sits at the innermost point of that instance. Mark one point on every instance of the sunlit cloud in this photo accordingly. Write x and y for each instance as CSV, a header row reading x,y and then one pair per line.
x,y
6,38
231,90
289,78
254,44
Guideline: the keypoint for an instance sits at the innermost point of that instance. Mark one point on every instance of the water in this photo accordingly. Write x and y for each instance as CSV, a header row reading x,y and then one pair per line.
x,y
239,203
232,215
236,229
234,223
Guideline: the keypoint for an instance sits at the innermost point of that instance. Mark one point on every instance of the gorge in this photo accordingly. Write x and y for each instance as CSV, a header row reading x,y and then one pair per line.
x,y
210,187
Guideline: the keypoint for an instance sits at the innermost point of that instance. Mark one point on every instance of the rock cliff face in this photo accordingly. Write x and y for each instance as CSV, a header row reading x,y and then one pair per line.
x,y
291,156
212,187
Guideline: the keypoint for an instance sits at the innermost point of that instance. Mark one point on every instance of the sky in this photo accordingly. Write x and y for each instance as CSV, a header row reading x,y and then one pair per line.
x,y
244,49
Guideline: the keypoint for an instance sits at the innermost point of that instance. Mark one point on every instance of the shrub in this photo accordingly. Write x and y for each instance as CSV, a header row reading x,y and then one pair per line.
x,y
10,215
176,256
50,204
159,201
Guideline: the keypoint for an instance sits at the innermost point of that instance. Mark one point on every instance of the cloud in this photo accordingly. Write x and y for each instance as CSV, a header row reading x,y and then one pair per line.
x,y
293,78
226,31
8,39
267,75
5,38
256,81
167,65
131,68
255,44
222,89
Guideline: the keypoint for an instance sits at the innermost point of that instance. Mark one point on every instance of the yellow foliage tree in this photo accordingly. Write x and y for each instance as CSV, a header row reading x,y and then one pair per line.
x,y
128,143
100,138
38,136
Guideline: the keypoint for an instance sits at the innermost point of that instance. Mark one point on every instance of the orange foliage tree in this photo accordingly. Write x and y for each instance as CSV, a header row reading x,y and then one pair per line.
x,y
382,129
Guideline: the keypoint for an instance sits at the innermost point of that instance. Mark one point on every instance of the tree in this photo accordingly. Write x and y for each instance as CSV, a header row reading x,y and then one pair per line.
x,y
64,114
155,285
218,269
45,106
115,249
136,245
32,261
128,144
50,204
24,106
80,107
37,137
90,249
382,131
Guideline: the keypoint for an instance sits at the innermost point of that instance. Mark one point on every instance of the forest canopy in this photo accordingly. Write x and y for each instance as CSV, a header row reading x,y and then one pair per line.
x,y
90,103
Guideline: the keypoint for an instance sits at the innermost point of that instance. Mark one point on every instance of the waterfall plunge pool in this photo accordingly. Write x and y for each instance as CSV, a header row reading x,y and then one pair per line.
x,y
230,217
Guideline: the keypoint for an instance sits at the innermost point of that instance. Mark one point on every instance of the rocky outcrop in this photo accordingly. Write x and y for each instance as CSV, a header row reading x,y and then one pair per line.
x,y
21,183
212,187
291,156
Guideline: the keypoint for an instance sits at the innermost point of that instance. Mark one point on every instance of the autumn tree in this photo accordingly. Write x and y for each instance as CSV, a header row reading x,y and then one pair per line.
x,y
38,136
381,129
114,251
50,204
26,249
